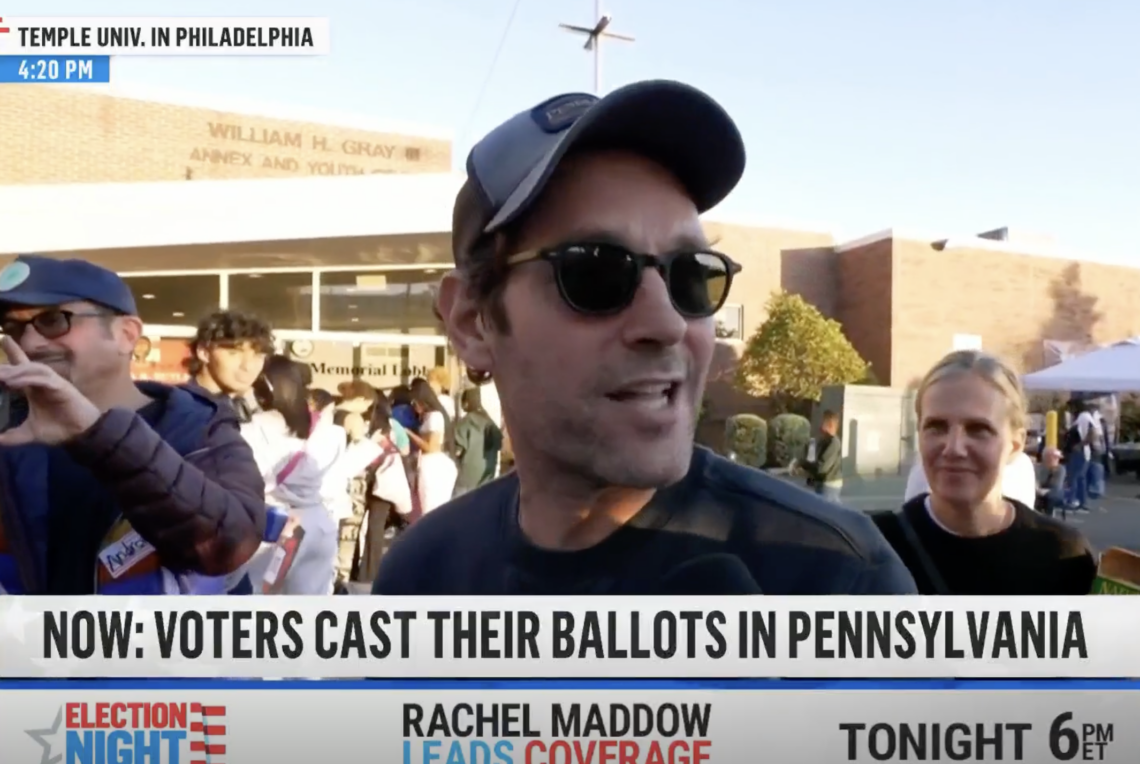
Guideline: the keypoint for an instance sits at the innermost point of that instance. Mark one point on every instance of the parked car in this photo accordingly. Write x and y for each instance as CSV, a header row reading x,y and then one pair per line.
x,y
1126,458
1034,443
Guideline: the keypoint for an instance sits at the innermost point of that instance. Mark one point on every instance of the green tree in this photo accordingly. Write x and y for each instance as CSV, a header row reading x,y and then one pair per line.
x,y
796,353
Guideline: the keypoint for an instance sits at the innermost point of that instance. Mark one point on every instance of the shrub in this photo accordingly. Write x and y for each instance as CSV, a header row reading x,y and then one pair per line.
x,y
788,438
746,440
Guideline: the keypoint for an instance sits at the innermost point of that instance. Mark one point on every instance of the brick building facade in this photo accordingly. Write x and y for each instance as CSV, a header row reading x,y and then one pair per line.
x,y
61,134
903,300
1011,301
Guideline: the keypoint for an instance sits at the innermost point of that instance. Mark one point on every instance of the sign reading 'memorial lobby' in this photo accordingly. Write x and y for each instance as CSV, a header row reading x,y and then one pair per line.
x,y
62,135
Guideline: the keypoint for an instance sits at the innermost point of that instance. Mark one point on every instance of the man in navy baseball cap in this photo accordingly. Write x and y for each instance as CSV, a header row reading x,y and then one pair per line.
x,y
587,289
80,313
43,281
100,472
675,126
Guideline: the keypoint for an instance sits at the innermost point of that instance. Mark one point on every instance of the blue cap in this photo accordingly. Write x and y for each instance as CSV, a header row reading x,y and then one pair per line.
x,y
35,281
673,124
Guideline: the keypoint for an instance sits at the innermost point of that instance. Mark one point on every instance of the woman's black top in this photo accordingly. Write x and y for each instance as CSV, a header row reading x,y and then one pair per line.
x,y
1036,554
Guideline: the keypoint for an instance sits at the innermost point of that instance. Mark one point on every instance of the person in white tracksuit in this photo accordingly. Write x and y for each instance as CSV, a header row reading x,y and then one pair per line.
x,y
345,452
279,435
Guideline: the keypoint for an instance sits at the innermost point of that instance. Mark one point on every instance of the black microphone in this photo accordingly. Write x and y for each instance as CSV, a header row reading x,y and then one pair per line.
x,y
711,575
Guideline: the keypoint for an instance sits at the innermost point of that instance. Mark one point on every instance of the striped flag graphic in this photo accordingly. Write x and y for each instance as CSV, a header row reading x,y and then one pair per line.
x,y
208,736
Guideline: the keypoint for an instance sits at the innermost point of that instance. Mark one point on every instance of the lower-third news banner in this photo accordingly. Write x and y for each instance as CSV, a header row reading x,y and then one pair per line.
x,y
503,726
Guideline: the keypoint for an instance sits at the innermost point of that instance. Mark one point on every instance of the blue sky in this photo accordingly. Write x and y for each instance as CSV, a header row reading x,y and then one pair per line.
x,y
946,116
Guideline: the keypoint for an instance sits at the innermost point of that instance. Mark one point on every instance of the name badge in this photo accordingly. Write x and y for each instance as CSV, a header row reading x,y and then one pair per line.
x,y
125,553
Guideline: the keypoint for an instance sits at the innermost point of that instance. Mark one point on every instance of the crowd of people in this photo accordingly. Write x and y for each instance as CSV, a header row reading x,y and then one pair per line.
x,y
586,289
349,467
352,466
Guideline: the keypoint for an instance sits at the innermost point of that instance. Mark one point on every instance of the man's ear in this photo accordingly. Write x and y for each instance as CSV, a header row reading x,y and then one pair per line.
x,y
464,324
130,329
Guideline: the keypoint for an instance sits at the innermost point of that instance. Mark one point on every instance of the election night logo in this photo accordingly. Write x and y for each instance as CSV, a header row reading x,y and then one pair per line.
x,y
135,732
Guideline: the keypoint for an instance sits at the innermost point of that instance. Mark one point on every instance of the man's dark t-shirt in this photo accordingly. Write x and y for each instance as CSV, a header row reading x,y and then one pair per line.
x,y
791,541
1036,554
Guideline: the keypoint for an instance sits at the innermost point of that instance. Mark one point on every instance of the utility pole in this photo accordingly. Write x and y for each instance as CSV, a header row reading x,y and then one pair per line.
x,y
594,36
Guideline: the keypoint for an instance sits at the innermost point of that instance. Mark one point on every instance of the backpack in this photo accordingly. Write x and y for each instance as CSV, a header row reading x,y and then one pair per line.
x,y
1072,440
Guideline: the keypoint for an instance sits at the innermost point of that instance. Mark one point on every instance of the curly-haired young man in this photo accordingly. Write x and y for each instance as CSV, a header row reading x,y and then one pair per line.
x,y
227,356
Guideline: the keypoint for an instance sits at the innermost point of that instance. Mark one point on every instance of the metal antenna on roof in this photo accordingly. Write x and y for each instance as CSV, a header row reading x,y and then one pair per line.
x,y
594,36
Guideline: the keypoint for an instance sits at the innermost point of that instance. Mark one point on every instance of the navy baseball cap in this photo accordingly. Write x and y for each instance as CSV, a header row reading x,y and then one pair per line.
x,y
35,281
673,124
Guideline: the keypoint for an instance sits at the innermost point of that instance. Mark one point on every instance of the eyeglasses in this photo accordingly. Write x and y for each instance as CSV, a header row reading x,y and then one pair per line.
x,y
601,279
51,324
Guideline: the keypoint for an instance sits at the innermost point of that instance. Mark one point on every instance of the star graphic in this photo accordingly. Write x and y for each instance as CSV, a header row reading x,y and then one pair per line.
x,y
42,737
17,619
26,628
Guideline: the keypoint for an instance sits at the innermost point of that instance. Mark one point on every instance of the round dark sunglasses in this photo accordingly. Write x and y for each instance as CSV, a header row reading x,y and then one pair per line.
x,y
602,279
51,324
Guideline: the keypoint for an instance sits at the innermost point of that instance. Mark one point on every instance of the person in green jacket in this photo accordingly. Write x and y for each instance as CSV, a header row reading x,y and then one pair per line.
x,y
824,467
478,441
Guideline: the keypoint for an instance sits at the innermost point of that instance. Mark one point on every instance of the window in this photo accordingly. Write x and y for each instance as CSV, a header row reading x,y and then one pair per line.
x,y
174,300
379,301
283,299
730,322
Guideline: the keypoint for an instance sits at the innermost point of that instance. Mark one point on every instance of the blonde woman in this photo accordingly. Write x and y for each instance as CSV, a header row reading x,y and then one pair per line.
x,y
964,536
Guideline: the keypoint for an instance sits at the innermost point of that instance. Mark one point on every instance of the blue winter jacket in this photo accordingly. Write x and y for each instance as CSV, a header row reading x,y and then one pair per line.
x,y
187,499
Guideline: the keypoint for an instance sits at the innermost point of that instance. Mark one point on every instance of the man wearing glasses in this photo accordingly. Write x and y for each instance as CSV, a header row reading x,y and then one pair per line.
x,y
586,287
108,486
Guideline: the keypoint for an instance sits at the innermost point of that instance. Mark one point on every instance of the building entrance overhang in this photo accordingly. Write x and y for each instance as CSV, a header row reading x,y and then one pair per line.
x,y
428,250
313,222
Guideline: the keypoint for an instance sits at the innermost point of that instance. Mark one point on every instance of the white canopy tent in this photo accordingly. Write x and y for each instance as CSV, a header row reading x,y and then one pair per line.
x,y
1112,369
